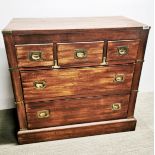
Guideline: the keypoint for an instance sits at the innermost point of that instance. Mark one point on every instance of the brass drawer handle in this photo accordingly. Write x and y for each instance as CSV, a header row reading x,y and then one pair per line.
x,y
119,78
35,56
116,106
43,114
122,50
80,53
39,84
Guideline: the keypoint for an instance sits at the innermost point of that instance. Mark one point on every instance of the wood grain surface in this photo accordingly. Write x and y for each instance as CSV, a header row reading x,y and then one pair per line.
x,y
71,82
78,130
112,51
67,53
23,55
72,111
27,24
16,80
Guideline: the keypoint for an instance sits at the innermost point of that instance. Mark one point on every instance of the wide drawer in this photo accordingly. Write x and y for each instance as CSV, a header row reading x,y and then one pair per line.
x,y
122,50
43,85
72,111
80,53
33,55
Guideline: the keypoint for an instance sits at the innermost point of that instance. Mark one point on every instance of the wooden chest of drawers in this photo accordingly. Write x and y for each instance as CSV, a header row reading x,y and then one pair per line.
x,y
74,77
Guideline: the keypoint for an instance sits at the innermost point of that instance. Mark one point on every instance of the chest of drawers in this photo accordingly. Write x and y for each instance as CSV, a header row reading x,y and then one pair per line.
x,y
74,77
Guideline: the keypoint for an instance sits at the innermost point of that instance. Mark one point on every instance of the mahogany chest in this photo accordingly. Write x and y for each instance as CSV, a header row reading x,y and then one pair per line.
x,y
74,77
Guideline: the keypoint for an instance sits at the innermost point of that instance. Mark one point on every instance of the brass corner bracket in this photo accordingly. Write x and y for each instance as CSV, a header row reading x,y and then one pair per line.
x,y
146,27
7,31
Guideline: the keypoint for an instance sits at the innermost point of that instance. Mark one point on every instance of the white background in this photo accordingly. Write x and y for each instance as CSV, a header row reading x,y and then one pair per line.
x,y
141,10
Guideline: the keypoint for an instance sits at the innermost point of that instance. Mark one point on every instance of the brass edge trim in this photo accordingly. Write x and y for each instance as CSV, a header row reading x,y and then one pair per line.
x,y
135,90
22,129
13,68
19,102
139,60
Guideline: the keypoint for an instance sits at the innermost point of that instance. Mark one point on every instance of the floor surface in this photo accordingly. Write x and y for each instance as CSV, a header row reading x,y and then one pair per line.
x,y
139,142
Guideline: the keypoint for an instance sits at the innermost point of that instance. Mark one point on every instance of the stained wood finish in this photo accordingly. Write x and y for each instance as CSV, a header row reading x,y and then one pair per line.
x,y
137,71
67,36
73,90
112,52
70,82
67,53
16,82
24,51
72,111
78,130
38,24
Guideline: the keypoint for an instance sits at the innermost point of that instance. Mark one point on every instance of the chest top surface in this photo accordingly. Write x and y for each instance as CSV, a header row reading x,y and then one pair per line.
x,y
35,24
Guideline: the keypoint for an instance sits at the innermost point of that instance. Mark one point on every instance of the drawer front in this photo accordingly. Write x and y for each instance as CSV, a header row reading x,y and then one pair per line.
x,y
34,55
122,50
43,85
72,111
80,54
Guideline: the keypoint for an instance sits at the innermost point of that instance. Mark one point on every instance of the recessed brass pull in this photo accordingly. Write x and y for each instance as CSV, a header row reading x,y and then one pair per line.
x,y
39,84
43,114
116,106
80,53
35,56
122,50
119,78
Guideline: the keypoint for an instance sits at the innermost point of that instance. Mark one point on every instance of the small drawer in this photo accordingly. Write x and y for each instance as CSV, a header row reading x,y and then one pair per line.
x,y
122,50
31,55
80,53
73,111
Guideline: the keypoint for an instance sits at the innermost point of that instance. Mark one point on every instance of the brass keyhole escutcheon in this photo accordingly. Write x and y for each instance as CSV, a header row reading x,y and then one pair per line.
x,y
35,56
43,114
116,106
122,50
39,84
119,78
80,53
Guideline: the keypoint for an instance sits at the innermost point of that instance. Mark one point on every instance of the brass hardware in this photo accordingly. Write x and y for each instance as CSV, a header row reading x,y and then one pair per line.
x,y
55,65
19,102
43,114
116,106
119,78
80,53
13,68
39,84
22,129
139,60
145,27
104,62
35,56
7,31
135,90
122,50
